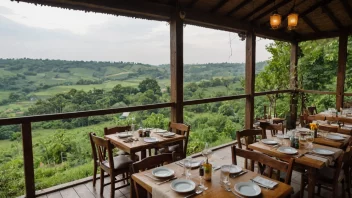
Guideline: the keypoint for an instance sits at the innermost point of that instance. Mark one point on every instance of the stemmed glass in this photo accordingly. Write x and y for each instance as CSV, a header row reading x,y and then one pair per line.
x,y
188,165
206,152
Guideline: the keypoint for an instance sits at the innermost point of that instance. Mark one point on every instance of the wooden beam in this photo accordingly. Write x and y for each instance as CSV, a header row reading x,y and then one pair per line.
x,y
332,17
314,7
347,8
259,8
323,35
238,7
210,100
341,70
250,78
277,6
316,92
310,24
293,83
28,159
272,92
176,67
219,5
191,4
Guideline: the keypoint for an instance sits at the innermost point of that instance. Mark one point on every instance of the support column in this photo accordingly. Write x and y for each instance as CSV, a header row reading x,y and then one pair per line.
x,y
341,70
250,79
293,85
176,67
28,160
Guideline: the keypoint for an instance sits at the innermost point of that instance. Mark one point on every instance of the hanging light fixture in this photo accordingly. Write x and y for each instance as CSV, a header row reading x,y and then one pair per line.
x,y
292,18
275,19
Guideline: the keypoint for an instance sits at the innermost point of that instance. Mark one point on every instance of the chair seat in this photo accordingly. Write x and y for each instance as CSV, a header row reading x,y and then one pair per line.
x,y
120,162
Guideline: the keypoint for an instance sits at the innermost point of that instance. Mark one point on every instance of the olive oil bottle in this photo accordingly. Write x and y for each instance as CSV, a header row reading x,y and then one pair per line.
x,y
208,169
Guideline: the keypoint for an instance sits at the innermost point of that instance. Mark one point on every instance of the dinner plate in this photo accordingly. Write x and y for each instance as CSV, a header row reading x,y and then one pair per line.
x,y
124,135
182,185
303,129
334,137
287,150
322,151
248,189
162,172
195,163
168,134
235,169
283,136
150,139
268,141
160,131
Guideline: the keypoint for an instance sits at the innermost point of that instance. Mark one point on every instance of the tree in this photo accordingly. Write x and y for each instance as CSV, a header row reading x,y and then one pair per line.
x,y
149,84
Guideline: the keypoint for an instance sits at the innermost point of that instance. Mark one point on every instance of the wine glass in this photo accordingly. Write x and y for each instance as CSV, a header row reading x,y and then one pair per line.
x,y
188,165
225,172
206,152
310,140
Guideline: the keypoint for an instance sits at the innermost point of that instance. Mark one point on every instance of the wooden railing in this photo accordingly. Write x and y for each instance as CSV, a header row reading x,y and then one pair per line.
x,y
27,130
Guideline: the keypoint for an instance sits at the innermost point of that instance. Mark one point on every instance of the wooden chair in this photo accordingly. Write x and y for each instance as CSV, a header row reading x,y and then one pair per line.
x,y
95,159
113,166
328,128
270,163
248,136
328,177
117,129
347,168
180,149
150,163
275,128
312,110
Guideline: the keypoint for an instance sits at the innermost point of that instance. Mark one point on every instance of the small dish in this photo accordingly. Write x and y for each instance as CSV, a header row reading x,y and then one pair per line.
x,y
248,189
268,141
162,172
322,151
150,139
168,134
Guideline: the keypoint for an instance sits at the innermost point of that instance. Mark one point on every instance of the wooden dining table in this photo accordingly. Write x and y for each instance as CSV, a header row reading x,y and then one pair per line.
x,y
141,145
312,165
332,143
219,157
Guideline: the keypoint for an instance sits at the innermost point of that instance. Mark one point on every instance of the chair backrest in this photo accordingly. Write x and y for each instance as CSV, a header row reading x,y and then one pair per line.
x,y
152,162
269,162
94,149
274,128
312,110
102,145
344,157
181,129
249,136
116,129
328,128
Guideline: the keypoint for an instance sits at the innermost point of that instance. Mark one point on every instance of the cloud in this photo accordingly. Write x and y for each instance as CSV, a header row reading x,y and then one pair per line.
x,y
88,36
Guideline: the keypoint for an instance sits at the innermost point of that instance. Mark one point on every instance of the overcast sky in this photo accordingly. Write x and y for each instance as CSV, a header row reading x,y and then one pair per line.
x,y
33,31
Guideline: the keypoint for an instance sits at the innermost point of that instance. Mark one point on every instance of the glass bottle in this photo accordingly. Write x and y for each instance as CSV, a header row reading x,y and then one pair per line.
x,y
208,169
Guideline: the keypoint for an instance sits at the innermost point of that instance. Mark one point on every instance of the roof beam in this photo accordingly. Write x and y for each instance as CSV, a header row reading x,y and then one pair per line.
x,y
332,17
277,6
310,24
314,7
323,35
191,4
262,6
239,6
347,8
219,5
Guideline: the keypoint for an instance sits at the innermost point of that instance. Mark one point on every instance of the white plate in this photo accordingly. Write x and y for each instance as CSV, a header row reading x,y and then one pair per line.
x,y
182,185
168,134
268,141
160,131
283,136
287,150
150,139
303,129
334,137
123,135
322,151
248,189
162,172
235,169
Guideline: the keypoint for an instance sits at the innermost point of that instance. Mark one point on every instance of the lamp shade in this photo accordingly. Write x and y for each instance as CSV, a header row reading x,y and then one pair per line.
x,y
292,21
275,20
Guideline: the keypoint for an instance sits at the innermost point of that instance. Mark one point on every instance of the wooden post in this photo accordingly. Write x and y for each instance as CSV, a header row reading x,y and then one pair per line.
x,y
176,67
28,159
293,84
341,71
250,78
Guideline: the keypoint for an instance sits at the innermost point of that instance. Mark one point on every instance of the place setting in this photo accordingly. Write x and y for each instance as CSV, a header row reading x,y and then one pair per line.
x,y
161,175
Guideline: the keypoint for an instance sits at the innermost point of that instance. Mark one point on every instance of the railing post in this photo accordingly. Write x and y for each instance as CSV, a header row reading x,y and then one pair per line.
x,y
250,78
176,66
28,159
293,84
341,70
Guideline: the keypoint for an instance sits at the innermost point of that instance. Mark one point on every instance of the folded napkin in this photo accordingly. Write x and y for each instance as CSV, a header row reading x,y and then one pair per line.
x,y
328,160
158,192
266,182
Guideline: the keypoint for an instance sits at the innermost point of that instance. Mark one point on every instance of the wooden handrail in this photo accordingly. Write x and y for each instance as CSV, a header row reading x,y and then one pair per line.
x,y
317,92
273,92
78,114
209,100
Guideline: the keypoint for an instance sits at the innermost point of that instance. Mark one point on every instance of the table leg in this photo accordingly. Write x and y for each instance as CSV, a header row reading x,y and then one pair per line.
x,y
312,174
143,154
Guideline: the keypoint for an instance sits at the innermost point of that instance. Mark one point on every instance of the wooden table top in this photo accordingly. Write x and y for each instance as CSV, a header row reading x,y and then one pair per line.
x,y
306,161
333,143
275,120
219,157
140,145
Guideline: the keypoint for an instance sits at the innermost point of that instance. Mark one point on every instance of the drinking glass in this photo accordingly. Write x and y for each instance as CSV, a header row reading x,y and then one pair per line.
x,y
206,152
188,165
225,172
310,140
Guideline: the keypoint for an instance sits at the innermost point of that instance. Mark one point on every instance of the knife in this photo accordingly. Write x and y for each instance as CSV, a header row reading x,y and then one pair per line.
x,y
166,180
239,174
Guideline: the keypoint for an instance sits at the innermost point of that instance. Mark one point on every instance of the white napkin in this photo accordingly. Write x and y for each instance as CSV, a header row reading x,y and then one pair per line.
x,y
266,182
159,193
